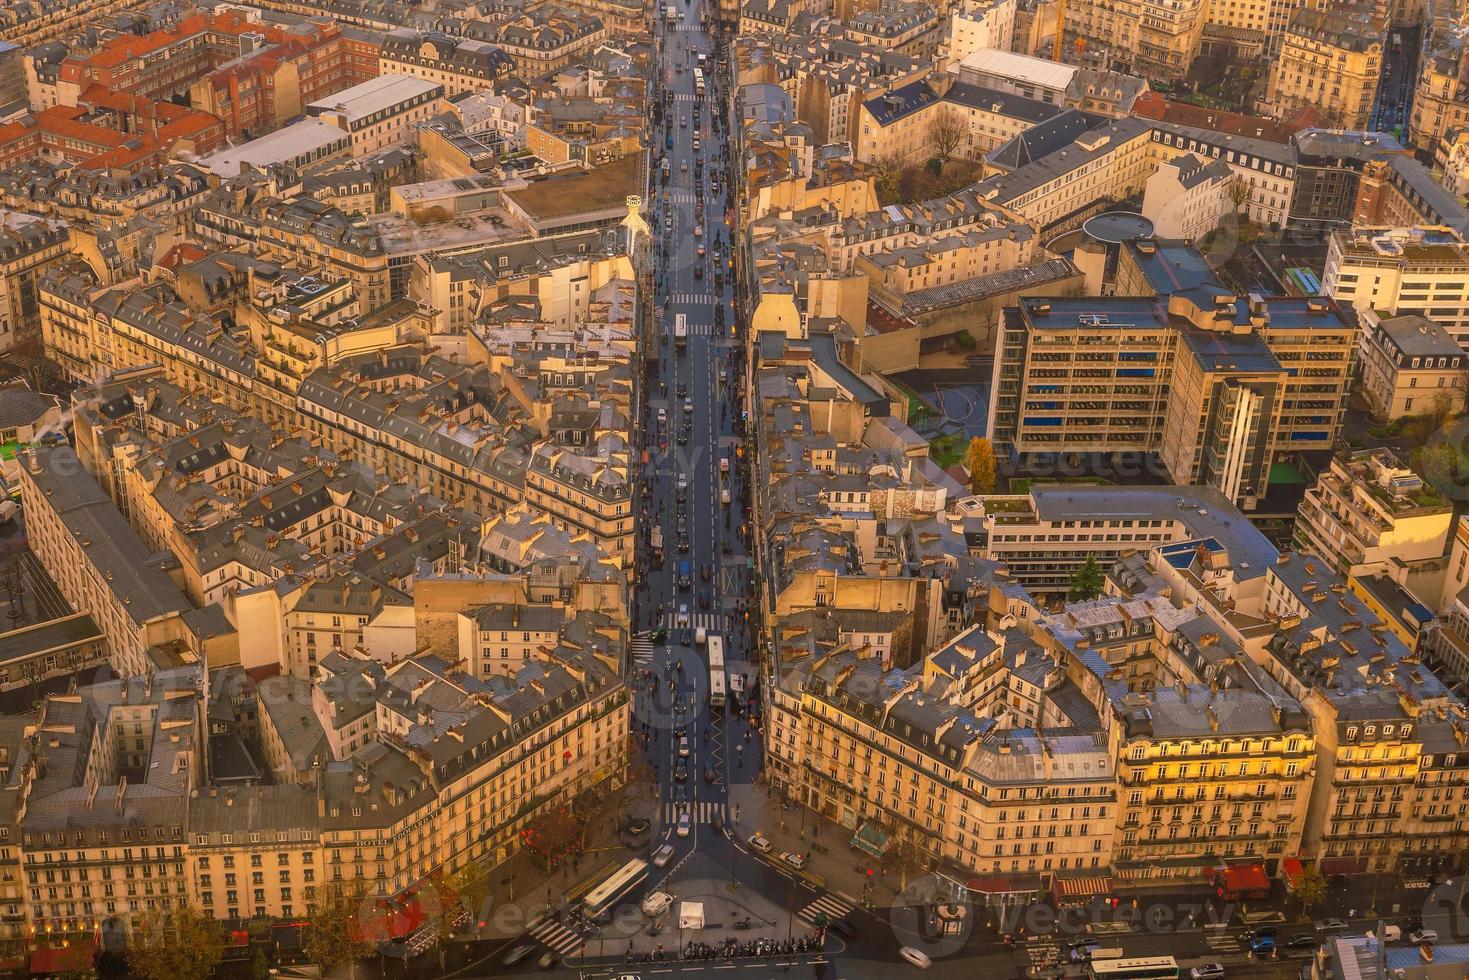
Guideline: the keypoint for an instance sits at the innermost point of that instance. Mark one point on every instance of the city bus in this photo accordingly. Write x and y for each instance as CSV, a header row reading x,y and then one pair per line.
x,y
716,670
600,901
699,82
680,329
1134,968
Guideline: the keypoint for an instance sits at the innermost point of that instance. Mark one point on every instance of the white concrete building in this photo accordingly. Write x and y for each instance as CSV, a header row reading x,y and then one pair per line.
x,y
1396,271
379,112
977,24
1187,197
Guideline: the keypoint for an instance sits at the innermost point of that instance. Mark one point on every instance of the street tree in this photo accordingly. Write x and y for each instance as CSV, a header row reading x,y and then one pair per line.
x,y
448,902
175,944
1086,581
980,460
472,882
1311,888
334,936
947,132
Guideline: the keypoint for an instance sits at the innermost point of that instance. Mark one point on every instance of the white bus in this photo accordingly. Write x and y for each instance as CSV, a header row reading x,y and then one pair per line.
x,y
699,81
680,329
600,901
1134,968
716,670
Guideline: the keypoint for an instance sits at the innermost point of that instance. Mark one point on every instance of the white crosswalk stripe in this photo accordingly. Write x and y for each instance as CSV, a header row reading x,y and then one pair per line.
x,y
703,811
1223,944
642,649
549,932
694,299
832,905
708,620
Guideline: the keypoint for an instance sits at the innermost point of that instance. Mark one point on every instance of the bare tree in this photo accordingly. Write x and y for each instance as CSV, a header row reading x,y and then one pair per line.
x,y
1239,194
947,132
888,172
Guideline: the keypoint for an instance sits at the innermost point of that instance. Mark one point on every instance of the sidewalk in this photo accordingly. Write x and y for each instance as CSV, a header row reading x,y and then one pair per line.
x,y
519,890
804,831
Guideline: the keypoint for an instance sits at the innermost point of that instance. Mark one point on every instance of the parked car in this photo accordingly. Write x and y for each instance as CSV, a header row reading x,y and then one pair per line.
x,y
1270,931
1263,946
1423,937
1302,941
1391,934
1331,925
1083,952
794,860
917,957
760,844
1209,971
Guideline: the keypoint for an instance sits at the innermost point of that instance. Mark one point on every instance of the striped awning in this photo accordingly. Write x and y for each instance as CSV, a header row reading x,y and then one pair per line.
x,y
1074,888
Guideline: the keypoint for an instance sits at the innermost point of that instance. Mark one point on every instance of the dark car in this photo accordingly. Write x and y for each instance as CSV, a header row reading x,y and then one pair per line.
x,y
842,928
681,770
518,953
659,636
1304,941
1259,931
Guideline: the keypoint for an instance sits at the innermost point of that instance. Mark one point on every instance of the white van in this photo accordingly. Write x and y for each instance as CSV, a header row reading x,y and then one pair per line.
x,y
701,635
656,904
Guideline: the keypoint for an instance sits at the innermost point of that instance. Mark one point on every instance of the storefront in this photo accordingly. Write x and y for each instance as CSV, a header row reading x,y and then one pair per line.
x,y
1243,880
1080,891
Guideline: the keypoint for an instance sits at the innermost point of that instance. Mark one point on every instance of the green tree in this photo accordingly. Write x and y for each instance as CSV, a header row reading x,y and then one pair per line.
x,y
980,460
472,882
260,965
1311,889
178,944
448,899
334,936
1086,581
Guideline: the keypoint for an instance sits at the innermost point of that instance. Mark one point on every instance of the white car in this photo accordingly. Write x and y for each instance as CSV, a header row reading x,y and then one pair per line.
x,y
793,859
662,856
1423,937
760,844
1209,971
683,614
684,825
683,747
916,956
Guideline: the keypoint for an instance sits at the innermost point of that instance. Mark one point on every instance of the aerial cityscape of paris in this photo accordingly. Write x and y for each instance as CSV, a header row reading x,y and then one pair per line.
x,y
724,489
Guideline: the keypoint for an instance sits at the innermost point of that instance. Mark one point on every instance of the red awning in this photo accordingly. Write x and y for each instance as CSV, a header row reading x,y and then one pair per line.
x,y
1293,871
1074,888
1242,878
1004,883
1339,866
57,959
